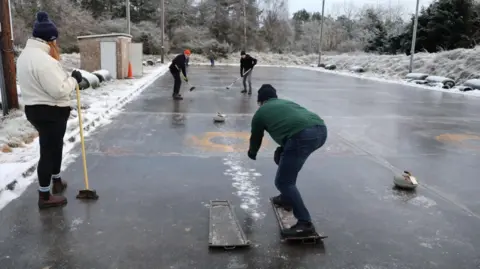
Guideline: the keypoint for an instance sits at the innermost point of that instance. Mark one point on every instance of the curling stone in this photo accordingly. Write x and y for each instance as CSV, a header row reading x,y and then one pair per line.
x,y
405,181
219,117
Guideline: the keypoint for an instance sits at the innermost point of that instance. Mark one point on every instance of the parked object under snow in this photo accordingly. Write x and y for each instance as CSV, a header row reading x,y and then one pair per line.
x,y
330,67
447,83
103,75
150,62
416,76
421,82
357,69
84,84
464,88
472,83
91,78
322,65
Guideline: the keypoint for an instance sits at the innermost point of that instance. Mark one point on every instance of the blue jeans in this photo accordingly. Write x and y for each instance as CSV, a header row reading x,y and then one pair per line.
x,y
295,153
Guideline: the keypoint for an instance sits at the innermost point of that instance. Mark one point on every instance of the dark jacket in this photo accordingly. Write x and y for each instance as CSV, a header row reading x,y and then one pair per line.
x,y
179,63
247,63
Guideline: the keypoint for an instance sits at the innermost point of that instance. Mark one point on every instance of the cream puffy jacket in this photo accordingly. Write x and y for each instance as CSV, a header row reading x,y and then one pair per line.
x,y
41,78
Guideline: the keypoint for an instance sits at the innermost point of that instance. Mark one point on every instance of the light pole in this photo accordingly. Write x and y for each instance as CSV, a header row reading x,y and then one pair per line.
x,y
414,38
321,35
162,49
244,26
127,6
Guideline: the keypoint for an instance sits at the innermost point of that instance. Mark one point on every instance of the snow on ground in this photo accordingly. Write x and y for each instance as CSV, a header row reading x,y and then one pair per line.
x,y
19,140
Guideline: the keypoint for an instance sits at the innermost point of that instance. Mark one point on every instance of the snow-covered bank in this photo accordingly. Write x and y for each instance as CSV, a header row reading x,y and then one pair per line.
x,y
19,140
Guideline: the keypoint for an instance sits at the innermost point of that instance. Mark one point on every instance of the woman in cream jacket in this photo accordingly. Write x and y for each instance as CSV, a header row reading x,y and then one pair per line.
x,y
46,90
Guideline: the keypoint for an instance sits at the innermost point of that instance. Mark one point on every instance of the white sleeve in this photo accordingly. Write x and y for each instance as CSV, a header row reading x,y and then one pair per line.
x,y
56,82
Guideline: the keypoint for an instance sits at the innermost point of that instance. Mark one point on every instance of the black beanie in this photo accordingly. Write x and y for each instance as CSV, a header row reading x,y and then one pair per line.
x,y
266,92
242,52
44,28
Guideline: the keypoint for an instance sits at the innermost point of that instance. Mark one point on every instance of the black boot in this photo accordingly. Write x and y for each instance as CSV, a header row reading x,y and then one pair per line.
x,y
277,201
250,92
244,91
302,228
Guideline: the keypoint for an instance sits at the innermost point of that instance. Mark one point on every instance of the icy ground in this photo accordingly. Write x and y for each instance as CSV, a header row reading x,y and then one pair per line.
x,y
19,149
459,65
18,139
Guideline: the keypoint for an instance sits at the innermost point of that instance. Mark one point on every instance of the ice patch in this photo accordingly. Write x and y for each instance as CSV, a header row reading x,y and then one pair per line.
x,y
75,223
423,201
244,183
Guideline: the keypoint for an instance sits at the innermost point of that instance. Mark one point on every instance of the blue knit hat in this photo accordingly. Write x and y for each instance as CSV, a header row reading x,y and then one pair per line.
x,y
44,28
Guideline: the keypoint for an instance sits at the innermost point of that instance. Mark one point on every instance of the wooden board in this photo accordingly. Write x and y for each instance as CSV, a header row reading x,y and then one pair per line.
x,y
286,220
224,229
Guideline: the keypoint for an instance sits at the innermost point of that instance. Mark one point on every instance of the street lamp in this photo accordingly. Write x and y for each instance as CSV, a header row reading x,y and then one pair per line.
x,y
321,35
414,38
162,52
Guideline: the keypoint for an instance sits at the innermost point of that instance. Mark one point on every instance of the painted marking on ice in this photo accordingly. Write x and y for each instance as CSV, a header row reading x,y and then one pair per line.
x,y
467,140
223,141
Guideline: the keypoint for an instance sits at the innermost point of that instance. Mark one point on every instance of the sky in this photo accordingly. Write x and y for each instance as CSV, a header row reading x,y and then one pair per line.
x,y
334,7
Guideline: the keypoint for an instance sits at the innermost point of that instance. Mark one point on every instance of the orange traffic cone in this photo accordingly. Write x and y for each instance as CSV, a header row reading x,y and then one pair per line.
x,y
130,73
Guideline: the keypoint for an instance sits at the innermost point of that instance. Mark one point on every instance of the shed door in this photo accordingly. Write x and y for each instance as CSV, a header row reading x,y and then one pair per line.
x,y
108,56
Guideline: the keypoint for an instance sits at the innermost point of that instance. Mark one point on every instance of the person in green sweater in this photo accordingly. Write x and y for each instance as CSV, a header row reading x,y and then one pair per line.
x,y
299,132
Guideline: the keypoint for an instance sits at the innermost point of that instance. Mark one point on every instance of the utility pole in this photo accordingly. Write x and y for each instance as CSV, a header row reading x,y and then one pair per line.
x,y
8,56
162,57
414,38
127,6
321,35
244,26
3,90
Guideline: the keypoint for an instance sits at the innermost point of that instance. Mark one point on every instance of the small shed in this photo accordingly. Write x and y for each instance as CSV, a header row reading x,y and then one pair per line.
x,y
109,52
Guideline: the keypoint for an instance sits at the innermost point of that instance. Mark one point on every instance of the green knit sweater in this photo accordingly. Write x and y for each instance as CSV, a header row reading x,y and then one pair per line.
x,y
281,119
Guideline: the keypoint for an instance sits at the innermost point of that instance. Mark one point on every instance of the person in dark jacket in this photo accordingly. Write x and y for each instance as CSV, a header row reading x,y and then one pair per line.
x,y
211,57
179,64
247,63
299,132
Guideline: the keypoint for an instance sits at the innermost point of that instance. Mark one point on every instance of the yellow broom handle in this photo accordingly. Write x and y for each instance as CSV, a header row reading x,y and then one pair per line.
x,y
82,139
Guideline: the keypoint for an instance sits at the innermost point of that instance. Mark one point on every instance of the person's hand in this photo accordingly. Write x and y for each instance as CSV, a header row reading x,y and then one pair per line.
x,y
77,76
251,155
277,155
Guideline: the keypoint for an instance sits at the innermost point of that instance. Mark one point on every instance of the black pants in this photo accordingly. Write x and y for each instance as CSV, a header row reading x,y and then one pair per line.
x,y
51,124
177,82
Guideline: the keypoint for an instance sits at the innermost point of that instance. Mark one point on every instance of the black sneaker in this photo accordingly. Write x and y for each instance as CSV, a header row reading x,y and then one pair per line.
x,y
178,97
244,91
250,92
302,228
277,200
